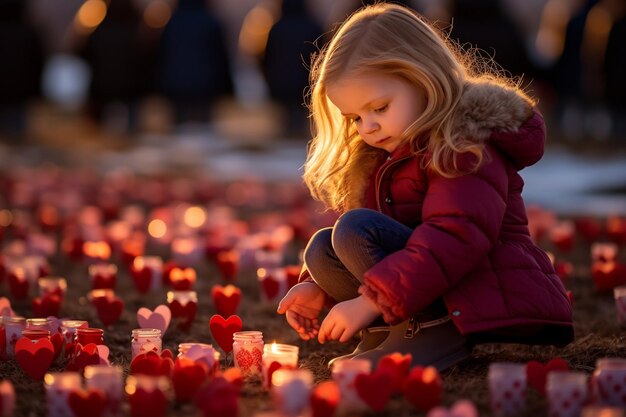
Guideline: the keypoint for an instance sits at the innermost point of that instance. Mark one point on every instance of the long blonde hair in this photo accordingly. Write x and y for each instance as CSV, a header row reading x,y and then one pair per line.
x,y
396,41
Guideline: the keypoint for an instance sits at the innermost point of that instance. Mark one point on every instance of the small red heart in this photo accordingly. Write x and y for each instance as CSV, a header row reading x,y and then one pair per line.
x,y
48,305
150,363
422,387
270,287
18,286
87,403
147,403
103,282
608,275
109,309
616,229
83,356
223,329
57,341
184,313
226,299
228,264
537,373
375,389
142,278
34,357
187,377
325,399
397,365
182,279
218,398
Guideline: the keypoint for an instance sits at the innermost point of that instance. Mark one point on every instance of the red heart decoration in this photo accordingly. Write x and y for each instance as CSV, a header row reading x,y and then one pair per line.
x,y
109,309
57,341
270,287
234,377
48,305
142,278
397,365
147,403
228,264
325,399
187,377
3,345
563,269
34,357
422,387
83,356
218,398
182,279
589,228
223,329
18,287
150,363
375,389
608,275
103,282
616,229
87,403
185,312
226,299
537,373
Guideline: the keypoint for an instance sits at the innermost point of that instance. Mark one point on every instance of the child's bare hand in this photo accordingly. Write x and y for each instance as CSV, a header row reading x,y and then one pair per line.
x,y
302,306
347,318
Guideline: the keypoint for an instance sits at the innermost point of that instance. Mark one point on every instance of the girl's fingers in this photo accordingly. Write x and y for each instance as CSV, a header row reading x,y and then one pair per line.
x,y
325,329
284,304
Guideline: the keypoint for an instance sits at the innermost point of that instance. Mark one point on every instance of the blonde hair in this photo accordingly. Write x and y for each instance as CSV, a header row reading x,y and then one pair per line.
x,y
390,39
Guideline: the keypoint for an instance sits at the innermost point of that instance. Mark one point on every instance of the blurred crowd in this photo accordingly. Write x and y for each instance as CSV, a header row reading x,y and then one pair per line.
x,y
132,65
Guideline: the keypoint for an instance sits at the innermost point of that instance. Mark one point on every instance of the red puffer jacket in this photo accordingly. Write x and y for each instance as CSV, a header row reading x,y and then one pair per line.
x,y
470,243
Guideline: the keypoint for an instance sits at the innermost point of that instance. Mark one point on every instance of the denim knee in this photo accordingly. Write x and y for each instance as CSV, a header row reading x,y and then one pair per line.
x,y
316,253
351,227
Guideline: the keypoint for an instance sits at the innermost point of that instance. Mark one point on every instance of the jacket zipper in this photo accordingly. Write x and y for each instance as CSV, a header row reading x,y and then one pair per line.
x,y
380,178
411,329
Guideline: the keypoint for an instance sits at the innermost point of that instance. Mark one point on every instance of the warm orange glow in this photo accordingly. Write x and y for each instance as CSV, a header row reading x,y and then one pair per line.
x,y
6,218
178,274
183,246
49,215
255,30
327,390
615,224
97,250
157,228
261,273
90,15
157,14
551,34
430,375
195,217
230,289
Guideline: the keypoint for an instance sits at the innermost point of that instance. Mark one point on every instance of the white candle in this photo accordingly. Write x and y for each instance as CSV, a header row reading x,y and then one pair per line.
x,y
145,340
343,373
58,387
291,389
284,355
608,382
507,388
566,392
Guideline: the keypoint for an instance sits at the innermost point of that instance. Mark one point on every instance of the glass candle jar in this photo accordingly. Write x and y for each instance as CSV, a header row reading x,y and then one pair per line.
x,y
58,386
145,340
39,323
604,251
291,389
608,382
13,327
273,283
103,276
286,356
183,305
52,286
201,352
69,327
343,372
248,352
154,267
36,334
566,392
85,335
507,388
109,380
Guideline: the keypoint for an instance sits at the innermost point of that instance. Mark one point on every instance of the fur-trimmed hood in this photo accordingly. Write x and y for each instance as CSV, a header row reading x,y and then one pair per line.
x,y
485,107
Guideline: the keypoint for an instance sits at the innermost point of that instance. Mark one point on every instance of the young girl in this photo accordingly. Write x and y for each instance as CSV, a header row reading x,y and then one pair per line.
x,y
421,155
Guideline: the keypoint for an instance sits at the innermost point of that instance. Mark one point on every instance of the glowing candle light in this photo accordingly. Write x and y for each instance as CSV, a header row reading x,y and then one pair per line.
x,y
58,386
276,356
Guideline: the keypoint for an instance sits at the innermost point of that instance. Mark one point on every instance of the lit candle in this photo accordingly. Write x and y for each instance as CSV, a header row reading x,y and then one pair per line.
x,y
566,392
39,324
86,335
109,380
276,356
344,373
96,251
183,305
52,286
604,251
186,250
248,352
291,389
145,340
103,276
147,395
201,352
273,282
619,293
147,272
58,387
596,411
608,382
507,388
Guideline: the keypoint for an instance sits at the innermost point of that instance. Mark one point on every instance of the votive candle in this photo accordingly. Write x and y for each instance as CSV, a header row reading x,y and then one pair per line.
x,y
285,355
343,372
109,380
608,382
58,386
507,388
566,392
248,352
145,340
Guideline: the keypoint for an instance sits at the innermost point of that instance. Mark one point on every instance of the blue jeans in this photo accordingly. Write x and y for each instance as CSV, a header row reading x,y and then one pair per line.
x,y
338,256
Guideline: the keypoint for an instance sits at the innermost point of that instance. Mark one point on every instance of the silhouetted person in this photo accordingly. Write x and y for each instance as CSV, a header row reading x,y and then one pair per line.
x,y
21,64
485,25
287,59
194,66
113,52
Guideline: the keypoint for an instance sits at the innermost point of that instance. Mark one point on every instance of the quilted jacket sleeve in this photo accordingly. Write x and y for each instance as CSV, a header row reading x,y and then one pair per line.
x,y
461,220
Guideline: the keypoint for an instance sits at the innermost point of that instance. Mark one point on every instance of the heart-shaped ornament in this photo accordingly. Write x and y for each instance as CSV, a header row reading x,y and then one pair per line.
x,y
158,319
109,309
537,372
48,305
223,329
422,387
375,389
325,399
184,314
87,403
83,356
397,365
228,264
34,357
145,403
187,377
226,299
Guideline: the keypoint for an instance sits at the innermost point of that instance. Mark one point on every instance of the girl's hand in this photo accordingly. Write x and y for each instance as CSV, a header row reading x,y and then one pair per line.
x,y
302,306
347,318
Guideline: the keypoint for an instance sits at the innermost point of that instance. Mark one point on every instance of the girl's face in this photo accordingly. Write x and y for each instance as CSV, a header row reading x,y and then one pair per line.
x,y
382,107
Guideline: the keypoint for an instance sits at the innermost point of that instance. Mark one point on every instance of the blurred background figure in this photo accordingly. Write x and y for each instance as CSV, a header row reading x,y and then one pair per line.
x,y
194,63
21,65
286,61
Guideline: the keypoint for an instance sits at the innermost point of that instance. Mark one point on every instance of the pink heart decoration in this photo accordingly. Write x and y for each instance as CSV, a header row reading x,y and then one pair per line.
x,y
222,330
103,354
158,319
462,408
